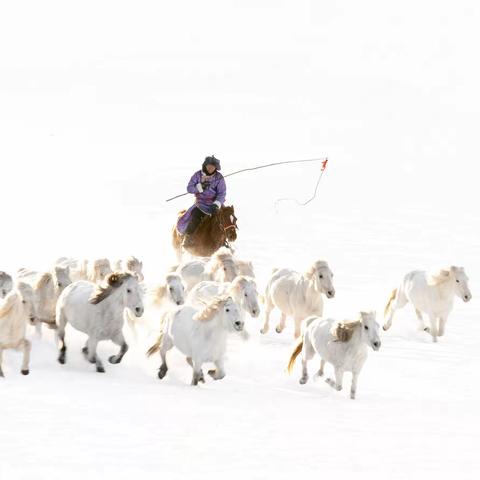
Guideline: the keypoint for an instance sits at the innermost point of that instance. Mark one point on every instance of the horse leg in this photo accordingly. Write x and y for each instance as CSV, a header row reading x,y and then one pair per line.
x,y
119,340
321,371
338,382
441,326
421,323
197,372
92,356
1,358
38,328
62,347
307,354
219,371
26,346
433,327
268,310
298,326
353,388
165,346
281,324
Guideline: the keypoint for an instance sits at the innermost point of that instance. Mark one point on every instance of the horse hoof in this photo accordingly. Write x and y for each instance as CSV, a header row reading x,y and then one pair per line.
x,y
61,360
100,370
25,372
162,371
113,359
384,328
212,373
263,331
303,380
278,330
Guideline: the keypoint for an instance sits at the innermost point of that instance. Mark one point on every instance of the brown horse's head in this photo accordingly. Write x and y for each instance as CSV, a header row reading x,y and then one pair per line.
x,y
229,222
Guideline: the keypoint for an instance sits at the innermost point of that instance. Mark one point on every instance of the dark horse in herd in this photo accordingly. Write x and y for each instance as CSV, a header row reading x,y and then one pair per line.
x,y
215,231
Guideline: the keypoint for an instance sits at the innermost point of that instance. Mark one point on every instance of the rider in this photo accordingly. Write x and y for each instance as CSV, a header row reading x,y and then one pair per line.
x,y
208,186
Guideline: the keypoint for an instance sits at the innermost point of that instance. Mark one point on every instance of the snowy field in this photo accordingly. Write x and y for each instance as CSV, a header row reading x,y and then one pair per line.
x,y
106,109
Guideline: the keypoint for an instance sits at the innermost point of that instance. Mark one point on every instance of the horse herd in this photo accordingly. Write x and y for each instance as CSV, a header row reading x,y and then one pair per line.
x,y
201,302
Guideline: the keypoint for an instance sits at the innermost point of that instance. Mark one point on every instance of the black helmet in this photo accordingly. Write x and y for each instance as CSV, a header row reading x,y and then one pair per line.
x,y
212,161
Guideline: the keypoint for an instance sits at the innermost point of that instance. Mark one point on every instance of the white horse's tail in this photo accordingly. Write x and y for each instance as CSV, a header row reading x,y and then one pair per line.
x,y
156,346
390,300
295,353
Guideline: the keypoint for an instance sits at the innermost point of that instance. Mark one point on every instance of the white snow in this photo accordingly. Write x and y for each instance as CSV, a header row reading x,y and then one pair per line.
x,y
107,109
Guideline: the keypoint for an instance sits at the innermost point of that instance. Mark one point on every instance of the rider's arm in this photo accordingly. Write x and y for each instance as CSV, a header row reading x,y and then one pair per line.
x,y
221,193
194,185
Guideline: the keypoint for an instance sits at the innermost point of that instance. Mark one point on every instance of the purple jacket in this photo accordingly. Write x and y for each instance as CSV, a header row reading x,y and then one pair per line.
x,y
204,199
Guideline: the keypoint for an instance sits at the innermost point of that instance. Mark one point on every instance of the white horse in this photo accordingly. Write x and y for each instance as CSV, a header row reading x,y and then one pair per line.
x,y
243,290
221,267
342,344
166,295
6,284
245,268
47,287
98,312
130,265
431,294
83,269
201,335
16,309
297,295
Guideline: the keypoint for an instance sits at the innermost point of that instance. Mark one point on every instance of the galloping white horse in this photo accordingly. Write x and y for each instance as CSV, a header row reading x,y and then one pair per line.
x,y
98,312
221,267
16,309
243,290
431,294
6,284
82,269
297,295
130,265
201,335
47,287
342,344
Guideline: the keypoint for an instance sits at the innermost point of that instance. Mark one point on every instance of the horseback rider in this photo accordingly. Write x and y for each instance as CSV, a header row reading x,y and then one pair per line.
x,y
208,186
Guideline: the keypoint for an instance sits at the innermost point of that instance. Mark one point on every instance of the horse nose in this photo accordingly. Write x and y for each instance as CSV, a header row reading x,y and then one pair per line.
x,y
179,302
376,345
139,311
466,298
331,293
238,323
255,312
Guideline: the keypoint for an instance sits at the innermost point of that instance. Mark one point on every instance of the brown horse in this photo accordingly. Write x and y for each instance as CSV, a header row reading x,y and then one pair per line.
x,y
214,231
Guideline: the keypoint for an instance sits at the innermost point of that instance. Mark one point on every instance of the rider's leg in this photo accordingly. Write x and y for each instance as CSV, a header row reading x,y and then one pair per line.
x,y
197,216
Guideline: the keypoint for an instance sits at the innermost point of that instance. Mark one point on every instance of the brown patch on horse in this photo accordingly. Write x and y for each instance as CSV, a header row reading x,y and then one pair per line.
x,y
211,309
112,282
343,331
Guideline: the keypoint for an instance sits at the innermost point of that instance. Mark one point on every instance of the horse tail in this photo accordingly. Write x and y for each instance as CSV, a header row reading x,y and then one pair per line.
x,y
295,354
155,347
390,300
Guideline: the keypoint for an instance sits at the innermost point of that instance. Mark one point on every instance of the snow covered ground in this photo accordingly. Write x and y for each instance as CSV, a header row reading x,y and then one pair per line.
x,y
108,108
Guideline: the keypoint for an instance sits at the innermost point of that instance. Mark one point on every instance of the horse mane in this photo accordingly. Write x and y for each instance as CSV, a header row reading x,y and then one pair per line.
x,y
240,282
313,268
210,310
8,303
44,279
112,282
439,277
343,330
